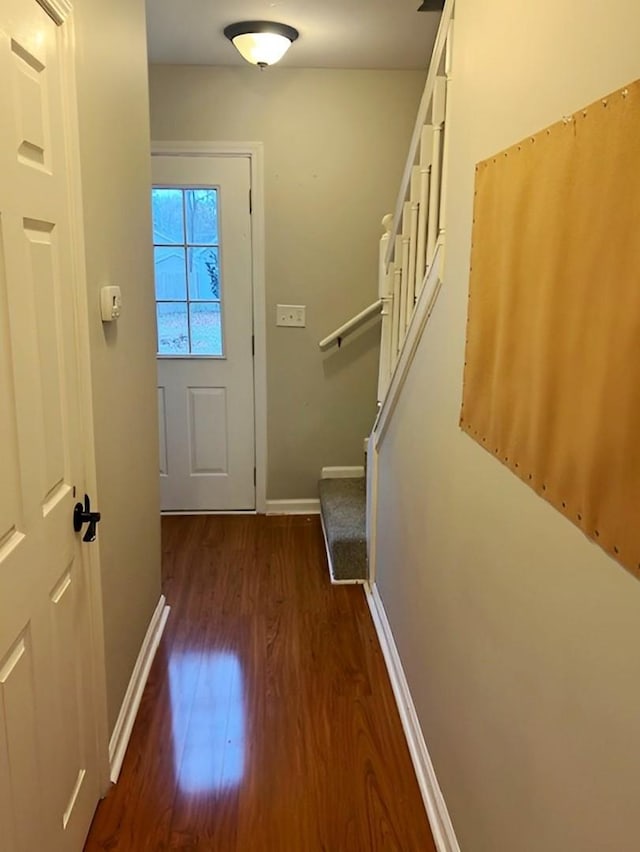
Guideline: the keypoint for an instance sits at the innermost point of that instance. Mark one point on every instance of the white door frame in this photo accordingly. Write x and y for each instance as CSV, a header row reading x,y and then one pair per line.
x,y
61,12
255,152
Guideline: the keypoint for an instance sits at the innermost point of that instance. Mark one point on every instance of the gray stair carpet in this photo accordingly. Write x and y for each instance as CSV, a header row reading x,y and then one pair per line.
x,y
343,508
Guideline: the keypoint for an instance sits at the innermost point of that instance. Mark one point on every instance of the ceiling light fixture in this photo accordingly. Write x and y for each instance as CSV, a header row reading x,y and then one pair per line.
x,y
261,43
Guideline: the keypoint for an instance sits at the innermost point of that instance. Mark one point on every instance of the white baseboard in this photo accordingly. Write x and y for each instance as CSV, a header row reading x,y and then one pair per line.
x,y
335,582
435,806
293,507
342,472
131,702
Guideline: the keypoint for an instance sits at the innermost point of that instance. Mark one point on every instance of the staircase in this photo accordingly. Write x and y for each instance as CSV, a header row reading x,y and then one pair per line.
x,y
343,515
411,255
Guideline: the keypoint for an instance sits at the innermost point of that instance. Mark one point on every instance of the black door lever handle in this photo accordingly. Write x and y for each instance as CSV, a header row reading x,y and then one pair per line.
x,y
82,514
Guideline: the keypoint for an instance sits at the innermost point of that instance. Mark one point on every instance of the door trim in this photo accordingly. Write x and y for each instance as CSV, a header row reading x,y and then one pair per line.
x,y
80,307
255,153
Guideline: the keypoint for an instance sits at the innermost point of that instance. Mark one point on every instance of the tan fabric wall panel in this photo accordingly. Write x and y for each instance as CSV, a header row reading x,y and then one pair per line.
x,y
552,367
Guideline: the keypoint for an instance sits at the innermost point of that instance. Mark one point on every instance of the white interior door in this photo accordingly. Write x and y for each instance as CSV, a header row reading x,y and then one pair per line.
x,y
203,273
49,781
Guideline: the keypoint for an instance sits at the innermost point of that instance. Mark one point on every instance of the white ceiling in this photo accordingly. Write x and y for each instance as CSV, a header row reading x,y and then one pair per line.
x,y
333,33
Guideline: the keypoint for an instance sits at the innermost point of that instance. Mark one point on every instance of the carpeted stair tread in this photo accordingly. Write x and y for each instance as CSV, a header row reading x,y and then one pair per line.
x,y
343,506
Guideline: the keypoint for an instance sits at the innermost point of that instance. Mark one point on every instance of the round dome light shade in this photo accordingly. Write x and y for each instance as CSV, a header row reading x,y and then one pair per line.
x,y
261,42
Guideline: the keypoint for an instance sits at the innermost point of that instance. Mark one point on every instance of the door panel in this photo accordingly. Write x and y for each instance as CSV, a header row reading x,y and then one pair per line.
x,y
18,724
40,265
27,79
64,600
10,503
208,430
204,288
49,777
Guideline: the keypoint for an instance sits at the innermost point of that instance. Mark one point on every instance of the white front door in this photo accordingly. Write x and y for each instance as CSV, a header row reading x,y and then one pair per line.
x,y
49,781
203,273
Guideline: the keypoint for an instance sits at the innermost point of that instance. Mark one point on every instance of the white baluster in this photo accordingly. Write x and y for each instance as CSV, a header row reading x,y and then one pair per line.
x,y
399,293
404,298
396,271
394,315
445,142
437,119
426,150
383,272
413,238
385,292
384,368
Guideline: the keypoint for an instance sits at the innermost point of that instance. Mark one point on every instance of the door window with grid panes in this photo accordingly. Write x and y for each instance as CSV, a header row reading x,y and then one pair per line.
x,y
186,252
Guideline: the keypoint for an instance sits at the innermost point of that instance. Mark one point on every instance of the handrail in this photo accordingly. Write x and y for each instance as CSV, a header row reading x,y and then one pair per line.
x,y
337,335
427,95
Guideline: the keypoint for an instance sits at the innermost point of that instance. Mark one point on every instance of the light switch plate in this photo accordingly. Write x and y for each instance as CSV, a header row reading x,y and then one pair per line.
x,y
291,315
110,303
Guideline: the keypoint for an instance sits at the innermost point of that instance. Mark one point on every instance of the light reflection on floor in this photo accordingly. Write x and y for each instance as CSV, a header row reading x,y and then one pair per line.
x,y
208,724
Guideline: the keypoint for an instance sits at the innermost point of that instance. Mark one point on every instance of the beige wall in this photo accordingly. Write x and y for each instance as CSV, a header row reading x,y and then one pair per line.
x,y
114,139
335,143
519,637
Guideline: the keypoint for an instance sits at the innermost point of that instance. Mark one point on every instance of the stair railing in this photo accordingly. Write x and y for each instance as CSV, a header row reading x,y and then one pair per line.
x,y
414,234
349,326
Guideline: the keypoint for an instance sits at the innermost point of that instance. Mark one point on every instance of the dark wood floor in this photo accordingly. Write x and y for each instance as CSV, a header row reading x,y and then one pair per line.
x,y
268,722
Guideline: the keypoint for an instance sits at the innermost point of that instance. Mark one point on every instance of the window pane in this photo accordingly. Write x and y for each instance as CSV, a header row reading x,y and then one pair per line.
x,y
173,329
170,273
204,273
202,216
206,329
168,216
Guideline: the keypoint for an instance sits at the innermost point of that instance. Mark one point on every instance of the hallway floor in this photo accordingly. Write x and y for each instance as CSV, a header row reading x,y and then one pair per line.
x,y
268,722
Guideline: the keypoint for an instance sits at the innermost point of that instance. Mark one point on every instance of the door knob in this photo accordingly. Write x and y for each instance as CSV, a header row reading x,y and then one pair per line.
x,y
82,514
